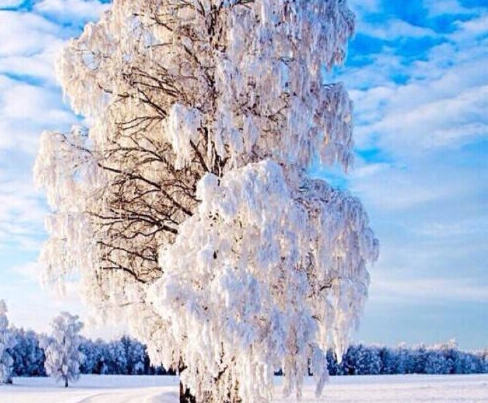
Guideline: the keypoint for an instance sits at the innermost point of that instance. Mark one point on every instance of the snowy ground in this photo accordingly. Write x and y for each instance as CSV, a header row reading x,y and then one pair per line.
x,y
353,389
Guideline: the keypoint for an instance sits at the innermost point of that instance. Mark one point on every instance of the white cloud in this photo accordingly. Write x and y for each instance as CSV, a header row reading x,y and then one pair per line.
x,y
29,270
364,7
428,289
30,102
25,111
442,104
32,308
393,188
460,228
10,3
44,106
424,182
69,10
21,216
412,123
27,33
473,28
437,8
394,29
47,303
30,46
34,67
29,99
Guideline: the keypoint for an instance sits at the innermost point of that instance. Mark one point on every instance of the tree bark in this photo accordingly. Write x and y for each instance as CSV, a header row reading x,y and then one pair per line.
x,y
208,397
185,395
232,394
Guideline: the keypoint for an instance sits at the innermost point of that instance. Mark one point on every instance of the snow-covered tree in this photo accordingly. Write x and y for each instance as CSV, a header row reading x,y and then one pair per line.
x,y
27,354
135,353
91,356
188,207
484,361
7,341
62,348
363,360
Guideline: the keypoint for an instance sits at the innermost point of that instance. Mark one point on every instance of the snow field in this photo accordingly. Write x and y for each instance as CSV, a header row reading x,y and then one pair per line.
x,y
403,389
93,389
164,389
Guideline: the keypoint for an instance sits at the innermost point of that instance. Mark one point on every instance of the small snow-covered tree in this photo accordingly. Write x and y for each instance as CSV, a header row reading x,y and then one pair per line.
x,y
7,341
188,205
62,348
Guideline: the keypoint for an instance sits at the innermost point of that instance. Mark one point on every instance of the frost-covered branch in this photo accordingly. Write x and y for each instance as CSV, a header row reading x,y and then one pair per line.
x,y
187,206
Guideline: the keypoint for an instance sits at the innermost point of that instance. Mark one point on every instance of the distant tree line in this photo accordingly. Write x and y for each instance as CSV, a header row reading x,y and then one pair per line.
x,y
443,358
127,356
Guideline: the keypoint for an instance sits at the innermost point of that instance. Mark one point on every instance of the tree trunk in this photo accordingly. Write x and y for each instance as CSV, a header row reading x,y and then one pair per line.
x,y
232,395
66,382
185,395
208,397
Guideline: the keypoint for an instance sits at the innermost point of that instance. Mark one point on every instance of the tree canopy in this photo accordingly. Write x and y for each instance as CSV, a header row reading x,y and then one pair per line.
x,y
188,207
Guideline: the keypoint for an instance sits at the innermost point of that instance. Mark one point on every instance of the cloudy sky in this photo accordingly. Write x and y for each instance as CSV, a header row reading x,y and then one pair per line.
x,y
417,72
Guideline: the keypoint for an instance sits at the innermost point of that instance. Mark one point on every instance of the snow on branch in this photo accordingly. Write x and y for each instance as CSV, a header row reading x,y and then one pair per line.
x,y
186,206
270,280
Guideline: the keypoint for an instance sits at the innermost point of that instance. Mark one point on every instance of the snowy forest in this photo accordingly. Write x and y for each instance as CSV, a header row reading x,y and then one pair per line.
x,y
127,356
27,353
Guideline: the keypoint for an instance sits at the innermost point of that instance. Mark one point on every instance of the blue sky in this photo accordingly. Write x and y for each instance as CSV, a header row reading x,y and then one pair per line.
x,y
417,74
